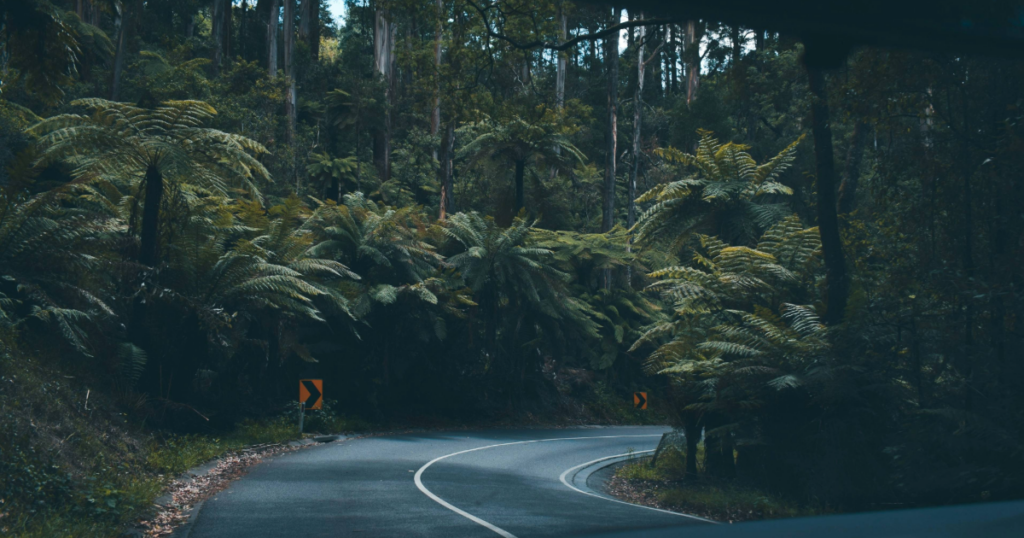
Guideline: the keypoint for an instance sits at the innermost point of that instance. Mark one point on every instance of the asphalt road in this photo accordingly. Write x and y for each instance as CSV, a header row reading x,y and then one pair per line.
x,y
511,483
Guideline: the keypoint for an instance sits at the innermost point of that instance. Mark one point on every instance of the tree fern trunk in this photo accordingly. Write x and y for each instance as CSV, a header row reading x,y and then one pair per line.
x,y
691,430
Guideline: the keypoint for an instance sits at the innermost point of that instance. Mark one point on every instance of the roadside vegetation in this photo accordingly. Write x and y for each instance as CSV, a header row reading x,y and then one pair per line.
x,y
450,222
665,486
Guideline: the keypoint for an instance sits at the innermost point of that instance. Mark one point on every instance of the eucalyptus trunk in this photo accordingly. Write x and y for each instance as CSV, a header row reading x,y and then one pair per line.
x,y
692,52
309,26
121,20
289,66
611,136
273,16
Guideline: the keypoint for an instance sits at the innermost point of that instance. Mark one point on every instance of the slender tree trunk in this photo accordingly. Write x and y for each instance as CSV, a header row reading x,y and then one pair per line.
x,y
243,29
692,60
637,119
836,280
563,59
289,66
447,152
848,189
148,244
384,62
80,9
435,113
520,195
226,32
216,33
273,16
560,67
121,20
611,135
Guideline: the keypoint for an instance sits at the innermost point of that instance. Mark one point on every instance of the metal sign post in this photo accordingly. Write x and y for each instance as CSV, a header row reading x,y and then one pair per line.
x,y
302,414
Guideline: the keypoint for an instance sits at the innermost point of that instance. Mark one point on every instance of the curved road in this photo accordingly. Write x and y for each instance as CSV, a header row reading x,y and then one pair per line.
x,y
514,483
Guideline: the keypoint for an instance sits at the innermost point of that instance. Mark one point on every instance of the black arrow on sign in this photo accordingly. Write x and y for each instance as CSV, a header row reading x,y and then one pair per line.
x,y
314,393
641,401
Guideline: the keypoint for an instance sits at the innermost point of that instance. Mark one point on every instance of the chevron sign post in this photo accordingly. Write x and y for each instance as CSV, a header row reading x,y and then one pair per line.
x,y
311,393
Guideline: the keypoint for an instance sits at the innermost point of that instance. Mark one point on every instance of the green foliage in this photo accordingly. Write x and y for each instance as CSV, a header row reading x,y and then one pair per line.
x,y
47,254
729,194
122,141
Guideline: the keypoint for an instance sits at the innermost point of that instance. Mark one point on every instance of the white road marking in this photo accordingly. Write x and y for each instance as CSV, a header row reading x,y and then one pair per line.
x,y
501,532
599,460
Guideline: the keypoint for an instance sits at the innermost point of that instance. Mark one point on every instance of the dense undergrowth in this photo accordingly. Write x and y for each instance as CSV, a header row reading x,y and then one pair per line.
x,y
74,463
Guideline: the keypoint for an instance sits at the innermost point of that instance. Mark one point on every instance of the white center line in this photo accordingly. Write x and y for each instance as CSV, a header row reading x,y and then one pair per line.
x,y
501,532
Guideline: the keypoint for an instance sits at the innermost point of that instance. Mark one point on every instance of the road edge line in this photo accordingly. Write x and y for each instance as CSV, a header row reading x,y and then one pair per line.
x,y
582,466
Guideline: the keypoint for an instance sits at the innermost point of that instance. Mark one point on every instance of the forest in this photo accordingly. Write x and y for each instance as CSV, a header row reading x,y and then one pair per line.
x,y
498,209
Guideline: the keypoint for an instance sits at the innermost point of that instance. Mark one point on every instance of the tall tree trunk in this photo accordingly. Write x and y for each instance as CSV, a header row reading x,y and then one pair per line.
x,y
435,113
560,67
447,152
848,189
692,60
216,32
836,280
384,62
121,19
563,59
80,9
520,194
273,16
309,26
289,61
611,135
637,118
243,29
673,59
226,31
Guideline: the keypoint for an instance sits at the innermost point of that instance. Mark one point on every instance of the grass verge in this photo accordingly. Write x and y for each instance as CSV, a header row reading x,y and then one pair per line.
x,y
726,500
